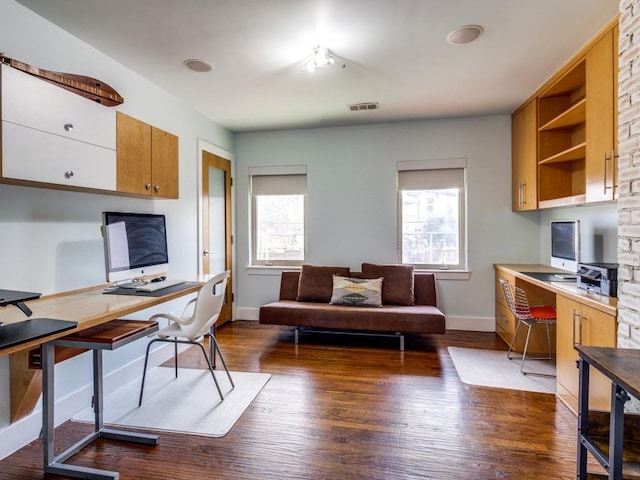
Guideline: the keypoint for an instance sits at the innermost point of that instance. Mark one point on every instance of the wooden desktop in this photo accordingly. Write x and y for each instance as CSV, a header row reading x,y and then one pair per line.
x,y
88,307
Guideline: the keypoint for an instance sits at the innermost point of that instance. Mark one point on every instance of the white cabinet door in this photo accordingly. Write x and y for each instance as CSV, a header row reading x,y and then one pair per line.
x,y
33,155
35,103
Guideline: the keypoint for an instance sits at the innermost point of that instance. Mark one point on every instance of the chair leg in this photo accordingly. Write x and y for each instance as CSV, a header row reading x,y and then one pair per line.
x,y
144,371
524,352
224,364
210,369
513,340
175,358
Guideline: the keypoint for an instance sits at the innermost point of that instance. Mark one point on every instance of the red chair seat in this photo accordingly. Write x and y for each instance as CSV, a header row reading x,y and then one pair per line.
x,y
544,312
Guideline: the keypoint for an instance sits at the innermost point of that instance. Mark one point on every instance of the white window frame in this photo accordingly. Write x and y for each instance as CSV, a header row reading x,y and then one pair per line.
x,y
424,166
299,170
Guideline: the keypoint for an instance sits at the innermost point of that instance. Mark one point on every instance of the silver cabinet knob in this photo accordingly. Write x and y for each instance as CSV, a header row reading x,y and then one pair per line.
x,y
68,127
148,186
156,188
68,174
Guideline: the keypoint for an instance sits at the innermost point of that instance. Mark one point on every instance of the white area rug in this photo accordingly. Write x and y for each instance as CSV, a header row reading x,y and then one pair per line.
x,y
491,368
187,404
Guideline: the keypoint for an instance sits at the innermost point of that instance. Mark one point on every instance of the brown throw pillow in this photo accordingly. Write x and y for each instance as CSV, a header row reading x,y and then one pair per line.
x,y
316,282
397,287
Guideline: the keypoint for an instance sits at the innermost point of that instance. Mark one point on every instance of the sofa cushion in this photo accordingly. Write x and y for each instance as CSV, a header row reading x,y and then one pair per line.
x,y
316,282
356,291
397,288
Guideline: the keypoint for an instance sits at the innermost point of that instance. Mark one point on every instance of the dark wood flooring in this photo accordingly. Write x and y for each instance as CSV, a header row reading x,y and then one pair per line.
x,y
347,407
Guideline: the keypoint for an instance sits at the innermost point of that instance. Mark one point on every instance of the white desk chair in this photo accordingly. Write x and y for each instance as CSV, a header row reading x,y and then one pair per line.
x,y
191,328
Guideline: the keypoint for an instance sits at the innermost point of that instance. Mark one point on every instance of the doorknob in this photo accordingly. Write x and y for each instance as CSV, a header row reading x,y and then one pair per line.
x,y
205,253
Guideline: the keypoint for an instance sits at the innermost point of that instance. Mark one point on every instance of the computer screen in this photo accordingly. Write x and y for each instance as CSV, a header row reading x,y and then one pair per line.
x,y
135,245
565,244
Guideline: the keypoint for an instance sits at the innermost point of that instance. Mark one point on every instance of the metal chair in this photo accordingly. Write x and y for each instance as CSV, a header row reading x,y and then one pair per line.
x,y
529,316
193,325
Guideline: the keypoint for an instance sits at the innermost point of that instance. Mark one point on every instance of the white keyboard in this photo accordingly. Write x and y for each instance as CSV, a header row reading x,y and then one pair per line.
x,y
153,286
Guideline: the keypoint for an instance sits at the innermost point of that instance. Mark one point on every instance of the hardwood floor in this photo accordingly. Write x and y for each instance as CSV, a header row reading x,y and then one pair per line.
x,y
348,407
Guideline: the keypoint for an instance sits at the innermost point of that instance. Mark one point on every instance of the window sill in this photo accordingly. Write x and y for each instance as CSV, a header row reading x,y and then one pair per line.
x,y
272,269
277,271
449,274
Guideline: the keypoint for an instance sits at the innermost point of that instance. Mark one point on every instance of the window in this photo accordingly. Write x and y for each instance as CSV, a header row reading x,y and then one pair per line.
x,y
431,204
278,215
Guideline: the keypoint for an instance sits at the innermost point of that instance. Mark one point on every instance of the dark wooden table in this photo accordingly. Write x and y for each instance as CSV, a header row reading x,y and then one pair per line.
x,y
622,367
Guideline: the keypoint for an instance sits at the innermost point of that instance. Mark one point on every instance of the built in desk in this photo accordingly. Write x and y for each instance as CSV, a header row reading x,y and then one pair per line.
x,y
583,318
86,308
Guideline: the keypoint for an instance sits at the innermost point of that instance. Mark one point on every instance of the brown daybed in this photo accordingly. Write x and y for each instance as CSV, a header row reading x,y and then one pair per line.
x,y
408,303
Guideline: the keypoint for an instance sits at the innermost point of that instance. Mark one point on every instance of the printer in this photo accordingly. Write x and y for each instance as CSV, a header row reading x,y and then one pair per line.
x,y
599,278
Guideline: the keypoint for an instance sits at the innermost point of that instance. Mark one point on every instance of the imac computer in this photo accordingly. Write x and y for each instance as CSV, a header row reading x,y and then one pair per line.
x,y
565,244
135,245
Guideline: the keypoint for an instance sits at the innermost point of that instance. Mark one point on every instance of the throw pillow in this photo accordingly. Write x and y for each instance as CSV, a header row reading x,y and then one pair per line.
x,y
316,282
398,282
357,291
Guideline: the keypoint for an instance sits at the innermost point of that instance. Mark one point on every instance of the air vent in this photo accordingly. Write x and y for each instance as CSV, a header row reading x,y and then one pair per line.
x,y
356,107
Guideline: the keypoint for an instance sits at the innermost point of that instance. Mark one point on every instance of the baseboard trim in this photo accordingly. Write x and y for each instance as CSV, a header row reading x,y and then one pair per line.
x,y
474,324
19,434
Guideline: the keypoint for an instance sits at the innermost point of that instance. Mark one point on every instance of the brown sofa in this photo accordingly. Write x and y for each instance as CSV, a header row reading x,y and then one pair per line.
x,y
418,314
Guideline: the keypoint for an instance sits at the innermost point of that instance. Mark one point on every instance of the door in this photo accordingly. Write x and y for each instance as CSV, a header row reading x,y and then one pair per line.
x,y
216,222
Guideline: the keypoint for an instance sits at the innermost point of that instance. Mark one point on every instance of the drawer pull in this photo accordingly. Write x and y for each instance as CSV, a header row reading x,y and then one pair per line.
x,y
68,127
68,174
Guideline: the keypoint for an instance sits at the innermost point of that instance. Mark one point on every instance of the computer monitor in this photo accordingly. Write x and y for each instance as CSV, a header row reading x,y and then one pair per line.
x,y
565,244
135,245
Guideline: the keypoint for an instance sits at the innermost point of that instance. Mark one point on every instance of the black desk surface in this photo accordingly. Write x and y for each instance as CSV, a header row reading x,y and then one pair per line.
x,y
13,334
9,297
621,365
157,293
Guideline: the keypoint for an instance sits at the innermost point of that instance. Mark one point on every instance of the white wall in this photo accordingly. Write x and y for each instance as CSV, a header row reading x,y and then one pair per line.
x,y
598,231
50,240
352,205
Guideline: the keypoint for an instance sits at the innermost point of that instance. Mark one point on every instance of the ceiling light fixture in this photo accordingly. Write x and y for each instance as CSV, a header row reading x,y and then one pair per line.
x,y
322,57
198,65
466,34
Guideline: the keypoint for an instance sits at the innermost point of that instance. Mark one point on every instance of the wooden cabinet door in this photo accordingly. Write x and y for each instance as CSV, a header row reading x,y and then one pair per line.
x,y
164,163
524,193
601,76
566,356
581,324
598,330
134,155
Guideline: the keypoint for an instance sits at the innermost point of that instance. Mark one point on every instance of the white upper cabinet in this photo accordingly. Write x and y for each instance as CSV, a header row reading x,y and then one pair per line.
x,y
51,135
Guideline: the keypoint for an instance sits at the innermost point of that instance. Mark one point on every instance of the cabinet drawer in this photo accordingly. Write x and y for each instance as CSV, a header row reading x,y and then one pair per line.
x,y
32,102
505,320
32,155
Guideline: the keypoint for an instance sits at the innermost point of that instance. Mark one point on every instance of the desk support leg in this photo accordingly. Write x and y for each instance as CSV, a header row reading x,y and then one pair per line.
x,y
583,417
48,363
616,430
98,389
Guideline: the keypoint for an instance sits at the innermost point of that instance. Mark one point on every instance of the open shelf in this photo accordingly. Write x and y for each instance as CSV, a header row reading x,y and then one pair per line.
x,y
573,116
569,155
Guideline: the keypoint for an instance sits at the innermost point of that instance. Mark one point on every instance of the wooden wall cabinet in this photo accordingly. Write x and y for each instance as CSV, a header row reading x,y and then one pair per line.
x,y
585,325
524,132
147,160
576,130
54,138
602,113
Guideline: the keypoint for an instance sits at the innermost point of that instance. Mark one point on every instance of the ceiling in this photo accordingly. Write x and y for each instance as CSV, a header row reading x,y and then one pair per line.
x,y
395,53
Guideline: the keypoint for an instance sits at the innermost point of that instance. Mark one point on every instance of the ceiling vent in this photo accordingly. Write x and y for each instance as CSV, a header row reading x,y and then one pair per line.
x,y
356,107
